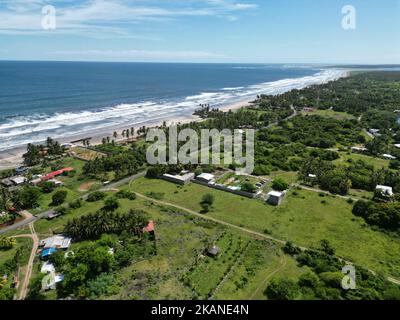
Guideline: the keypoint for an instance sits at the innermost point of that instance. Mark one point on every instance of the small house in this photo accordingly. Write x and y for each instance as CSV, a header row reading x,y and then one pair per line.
x,y
181,179
56,182
389,156
359,149
56,242
213,251
47,267
206,177
275,197
385,191
18,180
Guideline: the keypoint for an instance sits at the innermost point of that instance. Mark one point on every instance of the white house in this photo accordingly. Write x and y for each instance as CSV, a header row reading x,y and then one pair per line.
x,y
206,177
179,178
385,190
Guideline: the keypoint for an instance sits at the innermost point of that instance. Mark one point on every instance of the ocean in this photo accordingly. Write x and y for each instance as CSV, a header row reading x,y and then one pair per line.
x,y
61,99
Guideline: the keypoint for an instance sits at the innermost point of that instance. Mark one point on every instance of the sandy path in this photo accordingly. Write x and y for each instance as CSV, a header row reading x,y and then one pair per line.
x,y
28,273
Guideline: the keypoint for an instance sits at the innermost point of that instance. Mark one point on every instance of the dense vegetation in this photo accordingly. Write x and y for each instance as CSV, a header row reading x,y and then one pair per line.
x,y
323,281
94,225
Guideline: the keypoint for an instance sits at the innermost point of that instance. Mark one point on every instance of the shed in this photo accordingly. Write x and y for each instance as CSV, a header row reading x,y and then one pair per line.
x,y
47,267
213,251
275,198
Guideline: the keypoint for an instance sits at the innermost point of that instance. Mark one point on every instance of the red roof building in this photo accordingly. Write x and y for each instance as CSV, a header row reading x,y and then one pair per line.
x,y
54,174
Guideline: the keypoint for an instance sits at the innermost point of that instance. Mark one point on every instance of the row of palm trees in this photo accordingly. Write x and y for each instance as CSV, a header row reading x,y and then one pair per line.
x,y
93,225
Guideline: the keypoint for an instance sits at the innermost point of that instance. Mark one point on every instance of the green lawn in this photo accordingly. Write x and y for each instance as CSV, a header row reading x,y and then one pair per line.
x,y
303,219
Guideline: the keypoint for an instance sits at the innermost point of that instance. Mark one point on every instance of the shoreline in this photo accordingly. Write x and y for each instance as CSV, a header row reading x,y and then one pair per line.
x,y
12,158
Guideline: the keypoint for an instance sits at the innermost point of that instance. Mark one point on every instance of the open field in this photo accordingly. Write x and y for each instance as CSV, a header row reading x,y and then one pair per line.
x,y
330,114
376,162
304,218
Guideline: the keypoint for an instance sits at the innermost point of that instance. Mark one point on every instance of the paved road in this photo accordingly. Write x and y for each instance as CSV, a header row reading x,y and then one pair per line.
x,y
46,213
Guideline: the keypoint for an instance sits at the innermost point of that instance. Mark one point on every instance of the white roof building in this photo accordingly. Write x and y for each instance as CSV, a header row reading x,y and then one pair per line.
x,y
389,156
397,145
59,242
385,190
18,180
206,177
180,179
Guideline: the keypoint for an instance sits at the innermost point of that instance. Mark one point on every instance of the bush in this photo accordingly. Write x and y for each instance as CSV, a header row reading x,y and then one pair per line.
x,y
208,199
124,194
59,197
76,204
280,185
248,187
111,204
282,289
96,196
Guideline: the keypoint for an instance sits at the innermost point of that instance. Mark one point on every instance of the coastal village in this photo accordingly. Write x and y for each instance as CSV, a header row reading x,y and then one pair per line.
x,y
187,220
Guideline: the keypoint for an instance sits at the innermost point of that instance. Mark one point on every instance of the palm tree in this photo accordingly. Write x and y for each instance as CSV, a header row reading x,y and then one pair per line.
x,y
5,199
115,135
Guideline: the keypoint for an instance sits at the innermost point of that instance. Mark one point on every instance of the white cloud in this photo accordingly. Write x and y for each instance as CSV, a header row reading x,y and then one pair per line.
x,y
24,16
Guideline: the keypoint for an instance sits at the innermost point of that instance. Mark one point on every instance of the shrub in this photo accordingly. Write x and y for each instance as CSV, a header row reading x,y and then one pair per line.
x,y
125,194
59,197
96,196
76,204
280,185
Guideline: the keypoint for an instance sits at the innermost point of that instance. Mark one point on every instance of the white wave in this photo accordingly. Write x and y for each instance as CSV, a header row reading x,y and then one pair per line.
x,y
22,130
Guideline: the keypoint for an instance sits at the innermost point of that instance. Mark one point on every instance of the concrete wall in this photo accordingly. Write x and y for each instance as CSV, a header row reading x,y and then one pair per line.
x,y
222,188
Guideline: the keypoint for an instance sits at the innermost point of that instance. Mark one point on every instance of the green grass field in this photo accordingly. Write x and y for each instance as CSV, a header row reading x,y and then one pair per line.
x,y
305,219
376,162
331,114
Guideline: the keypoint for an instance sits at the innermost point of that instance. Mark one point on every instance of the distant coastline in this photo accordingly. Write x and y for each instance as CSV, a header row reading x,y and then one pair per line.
x,y
12,157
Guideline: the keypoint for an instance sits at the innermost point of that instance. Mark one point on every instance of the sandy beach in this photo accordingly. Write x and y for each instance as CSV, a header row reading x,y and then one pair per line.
x,y
13,158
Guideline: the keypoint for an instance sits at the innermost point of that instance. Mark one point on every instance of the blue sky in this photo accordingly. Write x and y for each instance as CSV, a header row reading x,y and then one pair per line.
x,y
266,31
